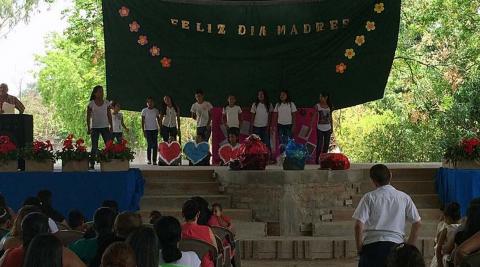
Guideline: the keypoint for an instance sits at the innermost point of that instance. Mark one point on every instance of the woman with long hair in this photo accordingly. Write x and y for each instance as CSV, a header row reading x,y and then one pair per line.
x,y
261,115
170,119
45,250
285,110
144,242
323,118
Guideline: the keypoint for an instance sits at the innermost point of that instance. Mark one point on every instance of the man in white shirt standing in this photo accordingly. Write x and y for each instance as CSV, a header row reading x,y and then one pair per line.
x,y
380,218
202,113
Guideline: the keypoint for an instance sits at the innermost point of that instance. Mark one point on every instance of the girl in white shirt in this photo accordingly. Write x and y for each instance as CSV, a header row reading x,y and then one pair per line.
x,y
324,120
286,111
232,115
150,122
117,122
261,111
170,119
99,119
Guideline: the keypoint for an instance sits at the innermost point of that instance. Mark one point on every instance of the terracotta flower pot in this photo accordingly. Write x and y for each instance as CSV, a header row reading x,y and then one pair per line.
x,y
38,166
116,165
75,166
9,166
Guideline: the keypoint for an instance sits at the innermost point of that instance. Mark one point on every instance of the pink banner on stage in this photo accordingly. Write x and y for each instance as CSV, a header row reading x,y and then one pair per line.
x,y
301,133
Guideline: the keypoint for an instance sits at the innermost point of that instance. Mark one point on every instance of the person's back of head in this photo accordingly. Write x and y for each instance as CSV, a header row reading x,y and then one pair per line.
x,y
45,250
125,223
45,197
119,254
169,233
24,211
144,242
103,220
472,225
32,225
380,175
3,201
5,219
32,201
155,215
205,212
76,220
111,204
190,210
452,212
405,255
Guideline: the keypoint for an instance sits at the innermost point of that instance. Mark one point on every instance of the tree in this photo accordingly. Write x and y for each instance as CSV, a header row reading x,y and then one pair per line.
x,y
14,11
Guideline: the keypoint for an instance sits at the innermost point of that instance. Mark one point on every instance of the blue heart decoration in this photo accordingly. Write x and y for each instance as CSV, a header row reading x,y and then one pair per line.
x,y
196,152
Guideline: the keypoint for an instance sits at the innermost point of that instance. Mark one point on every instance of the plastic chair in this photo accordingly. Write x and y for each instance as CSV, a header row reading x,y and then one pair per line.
x,y
225,233
68,237
201,248
225,250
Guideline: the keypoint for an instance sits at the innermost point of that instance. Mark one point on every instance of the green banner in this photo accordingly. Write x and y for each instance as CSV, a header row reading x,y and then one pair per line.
x,y
156,48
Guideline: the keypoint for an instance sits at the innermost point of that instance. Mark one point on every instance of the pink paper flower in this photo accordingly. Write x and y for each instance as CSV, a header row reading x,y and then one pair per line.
x,y
134,26
166,62
124,11
341,68
370,26
142,40
155,51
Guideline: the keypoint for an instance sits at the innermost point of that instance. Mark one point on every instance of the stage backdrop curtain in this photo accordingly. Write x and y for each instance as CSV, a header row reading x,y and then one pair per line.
x,y
457,185
84,191
156,48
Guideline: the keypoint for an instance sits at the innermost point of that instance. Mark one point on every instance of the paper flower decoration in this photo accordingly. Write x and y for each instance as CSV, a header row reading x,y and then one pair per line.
x,y
349,53
166,62
155,51
379,8
341,68
124,11
370,26
142,40
360,40
134,26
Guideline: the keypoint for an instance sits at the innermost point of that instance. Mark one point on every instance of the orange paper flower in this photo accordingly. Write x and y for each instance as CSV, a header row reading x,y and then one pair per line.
x,y
134,26
142,40
370,26
124,11
360,40
349,53
155,51
166,62
379,8
341,68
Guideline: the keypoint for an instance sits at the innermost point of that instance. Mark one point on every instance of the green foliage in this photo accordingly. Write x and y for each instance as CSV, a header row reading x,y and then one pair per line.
x,y
14,11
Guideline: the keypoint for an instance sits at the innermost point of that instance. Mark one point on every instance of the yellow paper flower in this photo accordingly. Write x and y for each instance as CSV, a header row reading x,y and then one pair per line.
x,y
155,51
379,8
370,26
341,68
360,40
142,40
349,53
134,26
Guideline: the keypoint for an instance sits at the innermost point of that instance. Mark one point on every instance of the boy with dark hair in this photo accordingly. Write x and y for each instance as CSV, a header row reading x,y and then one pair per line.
x,y
45,197
380,175
76,221
150,126
201,112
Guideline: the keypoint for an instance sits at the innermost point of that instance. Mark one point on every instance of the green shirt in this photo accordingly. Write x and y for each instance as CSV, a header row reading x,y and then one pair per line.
x,y
86,249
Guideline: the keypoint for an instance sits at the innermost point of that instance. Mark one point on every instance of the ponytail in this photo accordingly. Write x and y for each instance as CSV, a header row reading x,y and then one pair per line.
x,y
170,252
169,234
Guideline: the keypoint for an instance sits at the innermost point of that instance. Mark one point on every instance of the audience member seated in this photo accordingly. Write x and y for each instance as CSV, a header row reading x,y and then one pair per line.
x,y
169,232
472,224
87,249
14,238
205,212
125,223
45,250
144,242
111,204
468,253
76,221
445,241
155,215
4,205
192,230
45,197
5,222
405,255
218,219
119,254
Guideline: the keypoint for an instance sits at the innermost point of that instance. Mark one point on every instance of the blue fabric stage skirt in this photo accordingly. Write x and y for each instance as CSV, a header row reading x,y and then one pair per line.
x,y
458,185
84,191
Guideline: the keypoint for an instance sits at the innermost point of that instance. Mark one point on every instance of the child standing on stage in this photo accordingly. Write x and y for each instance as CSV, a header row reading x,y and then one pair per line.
x,y
201,112
99,119
261,110
170,118
117,122
286,111
324,121
150,122
232,115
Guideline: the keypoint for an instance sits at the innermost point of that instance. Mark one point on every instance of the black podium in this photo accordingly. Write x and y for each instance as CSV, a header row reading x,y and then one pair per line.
x,y
19,127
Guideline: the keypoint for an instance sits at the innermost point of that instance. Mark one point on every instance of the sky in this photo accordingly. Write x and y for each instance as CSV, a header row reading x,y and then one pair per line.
x,y
18,49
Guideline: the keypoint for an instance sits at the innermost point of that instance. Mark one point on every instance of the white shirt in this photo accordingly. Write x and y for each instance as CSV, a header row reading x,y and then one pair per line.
x,y
150,116
117,122
99,114
170,117
261,114
232,115
285,111
324,123
202,112
384,212
188,259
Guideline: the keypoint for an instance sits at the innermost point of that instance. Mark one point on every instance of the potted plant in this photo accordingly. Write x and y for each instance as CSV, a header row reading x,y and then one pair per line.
x,y
39,156
115,156
74,155
464,154
8,155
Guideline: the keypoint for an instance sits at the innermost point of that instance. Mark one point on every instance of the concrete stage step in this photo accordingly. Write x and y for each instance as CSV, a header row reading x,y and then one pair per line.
x,y
157,202
345,214
242,215
345,228
414,174
424,201
185,174
246,230
161,187
409,187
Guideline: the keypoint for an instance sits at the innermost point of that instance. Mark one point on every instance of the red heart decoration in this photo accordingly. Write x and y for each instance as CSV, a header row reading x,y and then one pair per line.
x,y
169,152
228,153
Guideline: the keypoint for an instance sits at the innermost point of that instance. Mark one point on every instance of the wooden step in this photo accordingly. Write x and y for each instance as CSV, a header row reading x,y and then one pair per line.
x,y
409,187
424,201
345,214
158,202
160,187
244,215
